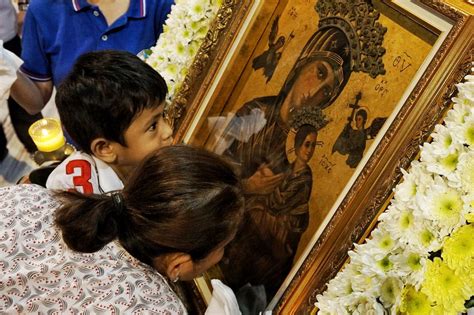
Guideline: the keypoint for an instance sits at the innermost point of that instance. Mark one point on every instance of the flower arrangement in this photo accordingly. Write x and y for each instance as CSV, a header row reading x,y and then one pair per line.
x,y
420,258
183,33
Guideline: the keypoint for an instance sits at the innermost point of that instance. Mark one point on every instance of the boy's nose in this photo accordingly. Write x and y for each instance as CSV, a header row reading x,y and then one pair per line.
x,y
167,135
167,141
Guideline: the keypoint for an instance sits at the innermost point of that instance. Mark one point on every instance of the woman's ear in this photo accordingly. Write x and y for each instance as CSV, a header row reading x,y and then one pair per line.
x,y
176,266
104,149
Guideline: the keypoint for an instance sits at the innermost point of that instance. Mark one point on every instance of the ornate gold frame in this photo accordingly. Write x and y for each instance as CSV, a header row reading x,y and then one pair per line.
x,y
356,214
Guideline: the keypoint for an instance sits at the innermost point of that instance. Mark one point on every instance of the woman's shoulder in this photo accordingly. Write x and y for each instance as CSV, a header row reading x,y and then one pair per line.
x,y
147,289
26,196
25,206
107,280
114,279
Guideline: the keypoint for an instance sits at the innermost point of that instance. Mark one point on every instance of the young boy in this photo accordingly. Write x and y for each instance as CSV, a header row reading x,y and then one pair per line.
x,y
111,105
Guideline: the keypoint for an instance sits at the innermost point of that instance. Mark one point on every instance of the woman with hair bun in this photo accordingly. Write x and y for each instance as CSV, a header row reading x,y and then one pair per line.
x,y
67,252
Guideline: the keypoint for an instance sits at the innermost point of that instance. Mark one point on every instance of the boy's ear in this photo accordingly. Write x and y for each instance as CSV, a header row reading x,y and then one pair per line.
x,y
104,150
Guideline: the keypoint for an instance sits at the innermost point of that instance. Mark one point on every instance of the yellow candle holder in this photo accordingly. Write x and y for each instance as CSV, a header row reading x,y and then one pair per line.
x,y
48,136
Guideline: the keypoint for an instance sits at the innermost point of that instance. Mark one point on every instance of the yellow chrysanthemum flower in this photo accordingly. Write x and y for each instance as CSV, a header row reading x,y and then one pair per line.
x,y
458,253
458,250
444,287
470,217
414,302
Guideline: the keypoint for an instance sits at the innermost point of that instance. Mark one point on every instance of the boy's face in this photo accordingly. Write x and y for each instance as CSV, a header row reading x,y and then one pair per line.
x,y
148,132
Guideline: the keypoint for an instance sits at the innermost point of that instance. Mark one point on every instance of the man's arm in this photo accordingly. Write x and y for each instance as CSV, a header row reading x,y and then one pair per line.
x,y
32,96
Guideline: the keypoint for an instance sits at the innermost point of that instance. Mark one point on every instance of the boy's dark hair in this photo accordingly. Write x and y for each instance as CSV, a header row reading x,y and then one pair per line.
x,y
104,93
180,199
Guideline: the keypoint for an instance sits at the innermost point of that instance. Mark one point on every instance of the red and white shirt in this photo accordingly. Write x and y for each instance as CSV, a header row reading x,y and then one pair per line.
x,y
84,173
39,274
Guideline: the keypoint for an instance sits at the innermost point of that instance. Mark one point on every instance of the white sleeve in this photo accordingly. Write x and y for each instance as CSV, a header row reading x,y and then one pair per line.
x,y
9,64
223,300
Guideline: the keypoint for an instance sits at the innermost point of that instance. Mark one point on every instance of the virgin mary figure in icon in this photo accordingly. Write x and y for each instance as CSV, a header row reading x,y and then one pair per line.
x,y
255,140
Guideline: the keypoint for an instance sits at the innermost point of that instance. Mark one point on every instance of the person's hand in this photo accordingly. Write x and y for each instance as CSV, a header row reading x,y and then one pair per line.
x,y
263,181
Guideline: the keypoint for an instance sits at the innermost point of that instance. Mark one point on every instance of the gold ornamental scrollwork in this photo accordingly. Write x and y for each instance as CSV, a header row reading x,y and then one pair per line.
x,y
443,8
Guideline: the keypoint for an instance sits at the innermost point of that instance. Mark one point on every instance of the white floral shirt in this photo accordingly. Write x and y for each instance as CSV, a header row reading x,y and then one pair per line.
x,y
40,274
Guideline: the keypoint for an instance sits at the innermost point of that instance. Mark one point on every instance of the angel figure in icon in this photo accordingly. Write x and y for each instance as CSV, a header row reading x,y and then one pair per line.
x,y
352,141
269,59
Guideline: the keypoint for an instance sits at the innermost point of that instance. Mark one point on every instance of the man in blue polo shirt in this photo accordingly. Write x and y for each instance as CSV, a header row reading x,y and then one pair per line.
x,y
57,32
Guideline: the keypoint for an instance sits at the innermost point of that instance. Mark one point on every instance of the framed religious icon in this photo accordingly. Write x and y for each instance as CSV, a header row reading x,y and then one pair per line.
x,y
318,104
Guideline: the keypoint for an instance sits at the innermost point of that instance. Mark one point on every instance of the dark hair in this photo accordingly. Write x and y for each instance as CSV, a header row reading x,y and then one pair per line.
x,y
363,113
180,199
301,134
103,94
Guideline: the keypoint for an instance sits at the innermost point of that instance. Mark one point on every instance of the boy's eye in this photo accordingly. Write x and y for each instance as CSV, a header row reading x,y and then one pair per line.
x,y
153,126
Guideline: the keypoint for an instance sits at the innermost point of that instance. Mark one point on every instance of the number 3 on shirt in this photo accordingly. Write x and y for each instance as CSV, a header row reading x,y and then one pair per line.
x,y
82,180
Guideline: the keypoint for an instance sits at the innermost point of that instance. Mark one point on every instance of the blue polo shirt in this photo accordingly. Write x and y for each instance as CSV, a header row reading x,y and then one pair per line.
x,y
57,32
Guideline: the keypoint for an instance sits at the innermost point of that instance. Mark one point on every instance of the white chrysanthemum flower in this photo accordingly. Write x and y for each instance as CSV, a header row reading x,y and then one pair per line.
x,y
367,305
390,292
443,141
382,240
341,284
465,91
183,33
463,176
392,212
339,293
406,190
402,224
415,181
442,164
468,200
443,205
426,239
457,115
330,306
373,264
464,132
411,266
368,283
